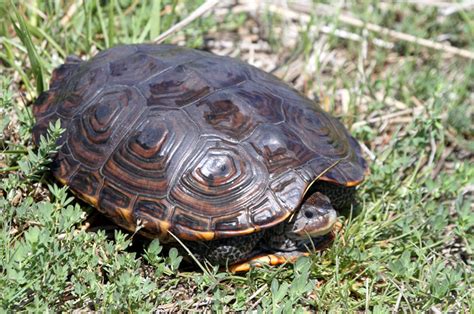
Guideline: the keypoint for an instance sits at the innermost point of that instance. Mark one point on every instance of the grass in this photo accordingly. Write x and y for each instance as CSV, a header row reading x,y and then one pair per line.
x,y
410,246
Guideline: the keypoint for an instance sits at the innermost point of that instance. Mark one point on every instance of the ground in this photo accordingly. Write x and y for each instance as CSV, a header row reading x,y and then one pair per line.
x,y
399,76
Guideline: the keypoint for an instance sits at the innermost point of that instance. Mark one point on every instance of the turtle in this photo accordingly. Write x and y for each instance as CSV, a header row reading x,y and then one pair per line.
x,y
207,150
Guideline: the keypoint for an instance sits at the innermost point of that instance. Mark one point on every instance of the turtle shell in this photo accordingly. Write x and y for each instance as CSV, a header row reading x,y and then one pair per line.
x,y
188,142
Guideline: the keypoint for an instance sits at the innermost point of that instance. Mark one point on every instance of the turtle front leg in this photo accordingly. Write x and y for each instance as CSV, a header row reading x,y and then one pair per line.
x,y
226,251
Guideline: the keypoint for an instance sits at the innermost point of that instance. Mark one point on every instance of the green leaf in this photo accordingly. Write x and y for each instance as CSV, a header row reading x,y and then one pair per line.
x,y
281,293
32,235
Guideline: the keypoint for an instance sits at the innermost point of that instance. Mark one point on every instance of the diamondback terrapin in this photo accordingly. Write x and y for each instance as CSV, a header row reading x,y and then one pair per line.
x,y
207,148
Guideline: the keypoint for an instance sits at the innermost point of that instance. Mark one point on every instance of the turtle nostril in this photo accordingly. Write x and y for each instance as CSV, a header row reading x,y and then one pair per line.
x,y
308,214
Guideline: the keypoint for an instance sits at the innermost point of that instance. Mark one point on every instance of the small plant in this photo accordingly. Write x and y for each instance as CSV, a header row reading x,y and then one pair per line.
x,y
34,161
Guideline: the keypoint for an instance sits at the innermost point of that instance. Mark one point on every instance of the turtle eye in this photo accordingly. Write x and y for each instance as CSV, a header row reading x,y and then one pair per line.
x,y
308,214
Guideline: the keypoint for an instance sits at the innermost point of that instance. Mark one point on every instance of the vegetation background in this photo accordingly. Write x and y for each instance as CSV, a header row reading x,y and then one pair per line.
x,y
399,75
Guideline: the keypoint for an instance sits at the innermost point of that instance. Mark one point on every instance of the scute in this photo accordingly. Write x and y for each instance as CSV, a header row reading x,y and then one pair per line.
x,y
280,148
220,178
235,112
174,88
132,69
146,160
219,73
92,137
200,145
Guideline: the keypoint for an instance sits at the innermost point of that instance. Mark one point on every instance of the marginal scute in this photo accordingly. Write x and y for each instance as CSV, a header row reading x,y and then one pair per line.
x,y
150,209
113,201
41,127
45,104
231,222
183,222
358,157
267,211
64,72
317,167
154,214
64,165
86,183
317,132
350,173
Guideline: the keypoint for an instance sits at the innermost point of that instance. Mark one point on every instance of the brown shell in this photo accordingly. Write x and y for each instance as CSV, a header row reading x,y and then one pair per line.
x,y
189,142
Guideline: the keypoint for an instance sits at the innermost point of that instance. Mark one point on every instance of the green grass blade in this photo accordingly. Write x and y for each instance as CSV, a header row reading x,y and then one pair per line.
x,y
111,20
155,19
41,33
104,30
25,37
9,58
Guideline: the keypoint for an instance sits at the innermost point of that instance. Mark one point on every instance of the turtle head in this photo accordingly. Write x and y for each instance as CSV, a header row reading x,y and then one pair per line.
x,y
316,217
